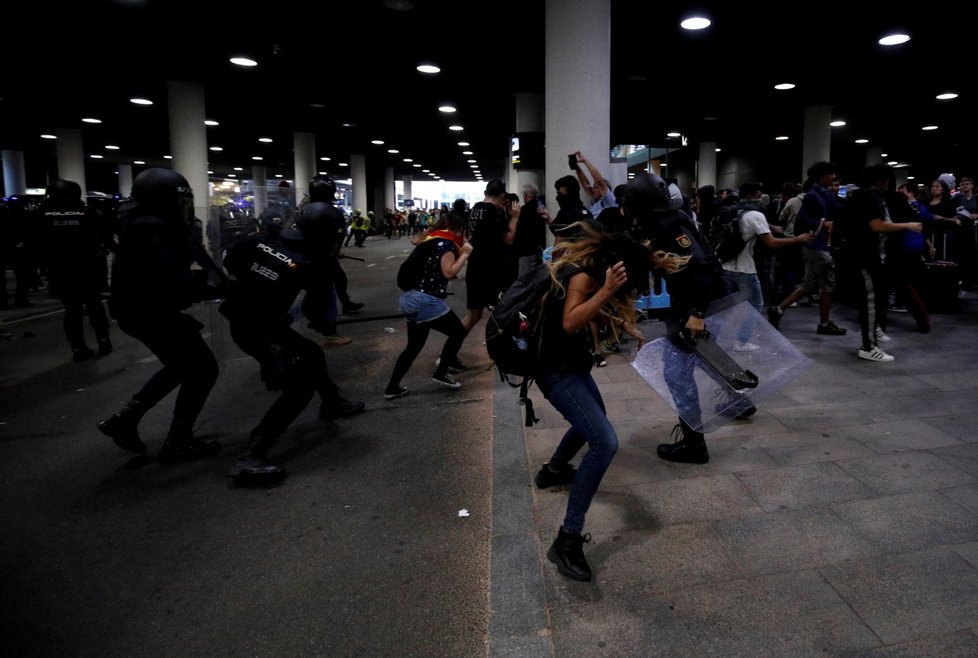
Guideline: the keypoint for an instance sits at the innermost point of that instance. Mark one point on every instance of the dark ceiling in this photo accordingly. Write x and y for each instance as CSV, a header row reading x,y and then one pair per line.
x,y
326,64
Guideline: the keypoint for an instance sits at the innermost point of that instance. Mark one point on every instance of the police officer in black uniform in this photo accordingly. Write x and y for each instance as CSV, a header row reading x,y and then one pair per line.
x,y
322,189
152,283
693,277
270,270
75,239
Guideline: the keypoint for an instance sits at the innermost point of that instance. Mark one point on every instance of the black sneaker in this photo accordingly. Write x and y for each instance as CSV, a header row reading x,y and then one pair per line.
x,y
454,368
446,379
392,394
567,552
252,470
185,451
123,433
340,409
82,354
830,329
599,360
551,477
352,307
774,316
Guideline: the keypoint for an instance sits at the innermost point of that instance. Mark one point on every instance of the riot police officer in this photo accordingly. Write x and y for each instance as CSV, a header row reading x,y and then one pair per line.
x,y
681,254
152,284
323,189
75,240
270,269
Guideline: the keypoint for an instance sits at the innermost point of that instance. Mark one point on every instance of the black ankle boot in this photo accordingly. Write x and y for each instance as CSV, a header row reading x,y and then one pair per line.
x,y
567,552
181,445
121,427
689,447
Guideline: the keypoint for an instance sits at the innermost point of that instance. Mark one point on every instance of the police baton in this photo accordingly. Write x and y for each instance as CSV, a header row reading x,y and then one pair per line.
x,y
362,260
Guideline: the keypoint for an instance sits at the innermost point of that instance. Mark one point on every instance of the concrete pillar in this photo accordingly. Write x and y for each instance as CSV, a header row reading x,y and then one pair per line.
x,y
71,156
305,163
577,85
817,143
407,193
14,174
390,194
188,146
706,173
125,180
358,177
259,180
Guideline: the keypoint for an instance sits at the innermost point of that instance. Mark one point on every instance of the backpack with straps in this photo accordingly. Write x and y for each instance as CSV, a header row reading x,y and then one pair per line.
x,y
726,240
412,268
513,331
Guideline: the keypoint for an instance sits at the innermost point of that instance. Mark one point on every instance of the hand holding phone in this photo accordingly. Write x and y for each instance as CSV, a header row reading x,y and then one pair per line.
x,y
572,161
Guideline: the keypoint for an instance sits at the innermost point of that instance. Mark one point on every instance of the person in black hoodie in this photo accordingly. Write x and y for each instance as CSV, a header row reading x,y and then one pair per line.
x,y
680,253
269,271
75,238
152,284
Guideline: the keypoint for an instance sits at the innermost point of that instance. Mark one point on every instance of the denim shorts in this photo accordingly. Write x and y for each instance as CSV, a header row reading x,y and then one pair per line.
x,y
421,307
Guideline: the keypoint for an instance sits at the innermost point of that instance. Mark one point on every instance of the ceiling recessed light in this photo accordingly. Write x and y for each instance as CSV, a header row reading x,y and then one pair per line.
x,y
139,162
471,160
463,143
341,164
231,176
349,125
883,155
781,138
278,175
217,148
324,159
265,140
946,96
428,68
167,157
415,165
447,109
243,61
140,101
784,85
211,122
425,170
892,163
836,124
317,106
929,128
456,128
395,151
257,158
378,142
408,159
95,156
673,134
717,150
48,136
467,152
894,39
91,120
695,23
862,141
239,168
111,147
475,166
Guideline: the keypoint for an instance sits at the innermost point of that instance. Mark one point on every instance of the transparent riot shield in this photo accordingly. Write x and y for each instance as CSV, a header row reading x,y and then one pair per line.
x,y
700,396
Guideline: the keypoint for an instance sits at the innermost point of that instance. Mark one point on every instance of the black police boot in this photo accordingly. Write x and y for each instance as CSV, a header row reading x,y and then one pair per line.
x,y
182,446
104,346
340,409
567,552
688,446
121,427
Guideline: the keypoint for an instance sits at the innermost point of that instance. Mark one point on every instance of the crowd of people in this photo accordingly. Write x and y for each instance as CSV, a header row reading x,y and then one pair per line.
x,y
605,249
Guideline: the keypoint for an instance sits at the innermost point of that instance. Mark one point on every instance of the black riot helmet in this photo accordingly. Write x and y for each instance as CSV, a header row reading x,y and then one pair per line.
x,y
319,224
165,193
322,188
647,194
63,190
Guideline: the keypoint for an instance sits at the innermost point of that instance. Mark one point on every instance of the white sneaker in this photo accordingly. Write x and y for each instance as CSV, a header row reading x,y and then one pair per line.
x,y
881,337
875,354
746,347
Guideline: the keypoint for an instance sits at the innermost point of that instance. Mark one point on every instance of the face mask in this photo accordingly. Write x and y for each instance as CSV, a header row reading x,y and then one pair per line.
x,y
564,201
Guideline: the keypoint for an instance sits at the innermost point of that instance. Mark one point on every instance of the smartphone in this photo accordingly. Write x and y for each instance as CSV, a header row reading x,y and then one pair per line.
x,y
843,191
572,161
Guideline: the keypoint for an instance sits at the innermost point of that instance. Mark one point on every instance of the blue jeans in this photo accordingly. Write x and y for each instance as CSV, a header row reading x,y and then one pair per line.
x,y
750,285
576,397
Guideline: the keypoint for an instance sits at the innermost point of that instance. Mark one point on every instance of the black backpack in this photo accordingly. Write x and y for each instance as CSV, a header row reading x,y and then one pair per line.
x,y
513,331
726,240
412,269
